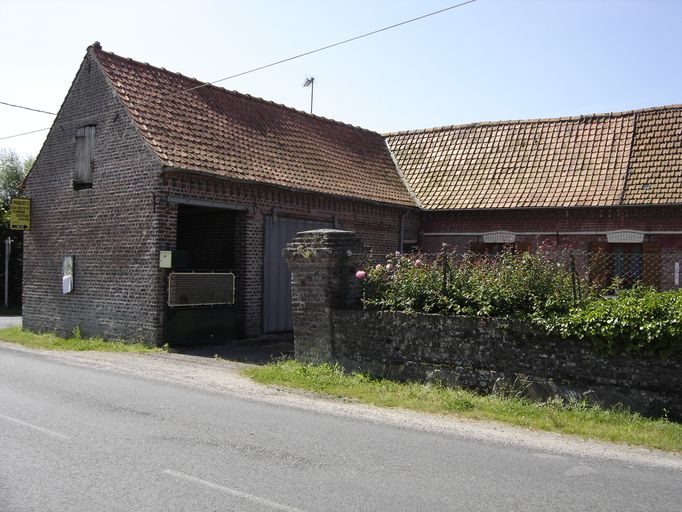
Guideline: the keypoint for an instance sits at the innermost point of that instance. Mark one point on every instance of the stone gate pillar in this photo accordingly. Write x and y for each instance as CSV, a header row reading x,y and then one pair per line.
x,y
323,263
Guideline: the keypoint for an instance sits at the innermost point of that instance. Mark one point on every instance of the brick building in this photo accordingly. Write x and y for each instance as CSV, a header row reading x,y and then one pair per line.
x,y
141,160
133,166
608,186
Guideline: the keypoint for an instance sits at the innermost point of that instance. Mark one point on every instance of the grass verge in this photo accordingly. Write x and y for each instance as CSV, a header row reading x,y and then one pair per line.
x,y
578,418
76,342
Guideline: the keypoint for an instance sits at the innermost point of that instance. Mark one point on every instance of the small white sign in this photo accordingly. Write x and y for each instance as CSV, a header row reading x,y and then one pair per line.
x,y
625,237
67,274
165,259
499,237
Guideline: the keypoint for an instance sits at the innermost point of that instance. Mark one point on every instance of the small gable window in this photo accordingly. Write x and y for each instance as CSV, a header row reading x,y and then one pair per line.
x,y
85,153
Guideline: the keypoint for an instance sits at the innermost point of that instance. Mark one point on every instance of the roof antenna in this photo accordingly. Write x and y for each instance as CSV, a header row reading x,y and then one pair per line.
x,y
310,82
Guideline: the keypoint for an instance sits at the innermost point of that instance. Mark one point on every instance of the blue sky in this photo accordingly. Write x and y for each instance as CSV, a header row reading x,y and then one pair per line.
x,y
491,60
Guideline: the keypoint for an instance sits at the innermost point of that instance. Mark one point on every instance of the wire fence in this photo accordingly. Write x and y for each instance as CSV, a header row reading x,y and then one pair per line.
x,y
615,269
660,270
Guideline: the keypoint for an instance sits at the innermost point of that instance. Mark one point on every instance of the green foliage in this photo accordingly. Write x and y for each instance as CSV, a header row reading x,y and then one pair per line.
x,y
50,341
533,287
638,320
13,169
509,285
401,285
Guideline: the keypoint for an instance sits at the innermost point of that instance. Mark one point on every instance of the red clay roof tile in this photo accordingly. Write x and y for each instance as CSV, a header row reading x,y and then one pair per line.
x,y
235,135
630,158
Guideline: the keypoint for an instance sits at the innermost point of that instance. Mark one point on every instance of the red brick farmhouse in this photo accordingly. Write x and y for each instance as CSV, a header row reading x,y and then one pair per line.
x,y
160,206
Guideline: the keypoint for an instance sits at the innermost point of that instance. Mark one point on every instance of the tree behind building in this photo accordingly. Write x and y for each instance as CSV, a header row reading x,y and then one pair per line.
x,y
13,168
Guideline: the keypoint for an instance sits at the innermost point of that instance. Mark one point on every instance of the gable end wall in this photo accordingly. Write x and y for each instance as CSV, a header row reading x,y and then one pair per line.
x,y
110,228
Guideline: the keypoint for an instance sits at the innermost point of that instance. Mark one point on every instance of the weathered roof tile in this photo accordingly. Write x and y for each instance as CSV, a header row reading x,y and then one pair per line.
x,y
237,136
630,158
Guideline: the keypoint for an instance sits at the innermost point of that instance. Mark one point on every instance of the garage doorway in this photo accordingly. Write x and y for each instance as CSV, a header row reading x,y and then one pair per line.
x,y
201,306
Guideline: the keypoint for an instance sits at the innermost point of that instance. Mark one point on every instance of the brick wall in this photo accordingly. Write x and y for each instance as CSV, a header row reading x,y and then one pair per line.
x,y
553,221
109,228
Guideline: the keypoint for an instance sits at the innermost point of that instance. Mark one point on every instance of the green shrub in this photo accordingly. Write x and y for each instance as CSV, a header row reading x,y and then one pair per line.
x,y
509,285
404,283
640,320
534,287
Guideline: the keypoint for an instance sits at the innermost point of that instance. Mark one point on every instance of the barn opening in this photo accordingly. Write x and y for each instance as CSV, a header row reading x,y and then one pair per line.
x,y
202,305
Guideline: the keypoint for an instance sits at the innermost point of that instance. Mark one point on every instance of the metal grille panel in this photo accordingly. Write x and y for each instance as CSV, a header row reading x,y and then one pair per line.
x,y
200,289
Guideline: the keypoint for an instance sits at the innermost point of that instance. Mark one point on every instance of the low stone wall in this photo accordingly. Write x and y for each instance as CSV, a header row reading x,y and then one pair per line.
x,y
488,353
484,354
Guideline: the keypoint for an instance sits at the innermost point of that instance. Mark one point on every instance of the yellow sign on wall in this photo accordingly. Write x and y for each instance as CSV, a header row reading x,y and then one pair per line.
x,y
20,215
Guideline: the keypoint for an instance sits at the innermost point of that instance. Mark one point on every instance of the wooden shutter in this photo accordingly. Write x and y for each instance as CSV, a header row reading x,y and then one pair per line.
x,y
651,264
85,147
599,264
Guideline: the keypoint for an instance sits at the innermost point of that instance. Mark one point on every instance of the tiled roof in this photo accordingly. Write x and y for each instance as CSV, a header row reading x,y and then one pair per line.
x,y
655,175
238,136
627,158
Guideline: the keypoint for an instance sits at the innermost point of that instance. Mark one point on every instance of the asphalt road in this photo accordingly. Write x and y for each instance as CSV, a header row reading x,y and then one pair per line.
x,y
78,438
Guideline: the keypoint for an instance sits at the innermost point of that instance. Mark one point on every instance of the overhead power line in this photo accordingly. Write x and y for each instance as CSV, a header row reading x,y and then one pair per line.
x,y
25,133
327,47
27,108
288,59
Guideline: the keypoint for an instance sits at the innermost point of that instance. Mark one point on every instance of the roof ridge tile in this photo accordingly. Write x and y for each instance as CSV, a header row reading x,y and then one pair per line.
x,y
583,117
